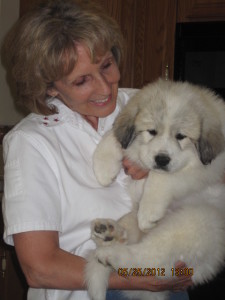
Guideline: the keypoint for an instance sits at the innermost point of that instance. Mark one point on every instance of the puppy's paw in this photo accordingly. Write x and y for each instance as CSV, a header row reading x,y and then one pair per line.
x,y
114,256
106,232
106,169
104,256
107,159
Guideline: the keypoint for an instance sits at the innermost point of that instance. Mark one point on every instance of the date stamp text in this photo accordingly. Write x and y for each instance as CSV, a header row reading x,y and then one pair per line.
x,y
154,272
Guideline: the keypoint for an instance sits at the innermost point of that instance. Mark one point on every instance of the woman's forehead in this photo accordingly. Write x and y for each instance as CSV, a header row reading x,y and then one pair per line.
x,y
84,62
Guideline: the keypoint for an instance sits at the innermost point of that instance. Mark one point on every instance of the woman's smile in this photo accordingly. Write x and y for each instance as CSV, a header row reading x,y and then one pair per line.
x,y
102,102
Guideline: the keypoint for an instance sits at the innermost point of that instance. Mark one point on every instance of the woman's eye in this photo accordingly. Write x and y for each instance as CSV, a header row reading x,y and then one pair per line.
x,y
152,132
180,136
107,64
80,82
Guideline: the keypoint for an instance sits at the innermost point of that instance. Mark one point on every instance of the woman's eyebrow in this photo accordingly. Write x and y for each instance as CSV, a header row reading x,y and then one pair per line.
x,y
101,58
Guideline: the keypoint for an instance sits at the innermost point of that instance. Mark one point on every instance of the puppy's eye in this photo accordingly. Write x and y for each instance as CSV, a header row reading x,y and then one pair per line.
x,y
180,136
153,132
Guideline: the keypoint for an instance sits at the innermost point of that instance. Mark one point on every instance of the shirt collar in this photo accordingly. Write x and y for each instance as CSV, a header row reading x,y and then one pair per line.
x,y
65,114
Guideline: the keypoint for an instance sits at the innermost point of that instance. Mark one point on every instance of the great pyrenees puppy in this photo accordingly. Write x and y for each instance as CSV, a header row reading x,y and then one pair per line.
x,y
177,131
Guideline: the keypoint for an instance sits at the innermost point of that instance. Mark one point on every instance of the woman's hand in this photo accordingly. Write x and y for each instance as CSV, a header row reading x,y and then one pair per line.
x,y
178,283
134,170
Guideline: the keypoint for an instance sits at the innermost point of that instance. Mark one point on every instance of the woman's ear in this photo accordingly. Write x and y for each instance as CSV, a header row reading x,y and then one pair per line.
x,y
52,92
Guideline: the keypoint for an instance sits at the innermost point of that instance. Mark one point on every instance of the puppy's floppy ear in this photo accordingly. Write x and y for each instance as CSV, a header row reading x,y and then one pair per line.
x,y
210,144
124,127
125,135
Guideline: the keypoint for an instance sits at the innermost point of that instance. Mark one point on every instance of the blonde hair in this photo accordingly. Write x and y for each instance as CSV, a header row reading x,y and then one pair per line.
x,y
40,48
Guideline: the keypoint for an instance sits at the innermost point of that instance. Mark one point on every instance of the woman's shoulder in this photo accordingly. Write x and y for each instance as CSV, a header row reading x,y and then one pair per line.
x,y
31,128
29,124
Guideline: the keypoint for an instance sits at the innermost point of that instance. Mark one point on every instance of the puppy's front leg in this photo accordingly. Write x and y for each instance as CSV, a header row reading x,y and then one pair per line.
x,y
155,200
107,159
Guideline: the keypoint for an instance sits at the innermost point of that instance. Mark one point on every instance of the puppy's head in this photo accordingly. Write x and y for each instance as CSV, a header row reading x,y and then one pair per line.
x,y
164,120
126,124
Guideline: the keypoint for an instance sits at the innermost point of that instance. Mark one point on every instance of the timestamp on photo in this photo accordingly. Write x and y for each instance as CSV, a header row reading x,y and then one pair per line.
x,y
182,271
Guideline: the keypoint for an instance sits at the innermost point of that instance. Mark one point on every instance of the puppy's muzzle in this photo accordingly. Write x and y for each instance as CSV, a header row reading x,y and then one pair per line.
x,y
162,161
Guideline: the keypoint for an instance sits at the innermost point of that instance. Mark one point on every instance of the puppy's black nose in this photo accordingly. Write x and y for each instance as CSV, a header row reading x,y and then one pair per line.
x,y
162,160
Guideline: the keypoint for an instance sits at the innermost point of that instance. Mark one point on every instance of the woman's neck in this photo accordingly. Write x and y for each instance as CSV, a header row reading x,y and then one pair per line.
x,y
93,121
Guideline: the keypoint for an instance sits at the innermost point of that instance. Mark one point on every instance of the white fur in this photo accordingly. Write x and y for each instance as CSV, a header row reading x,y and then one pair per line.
x,y
179,210
106,162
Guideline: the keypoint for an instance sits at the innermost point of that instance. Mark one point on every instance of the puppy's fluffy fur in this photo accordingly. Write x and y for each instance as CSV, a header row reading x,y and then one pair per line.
x,y
177,131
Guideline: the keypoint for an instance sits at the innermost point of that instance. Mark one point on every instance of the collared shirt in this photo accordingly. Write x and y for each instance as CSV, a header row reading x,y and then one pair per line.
x,y
50,183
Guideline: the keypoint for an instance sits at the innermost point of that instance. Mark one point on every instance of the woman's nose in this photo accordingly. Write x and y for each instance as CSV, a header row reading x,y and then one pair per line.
x,y
103,86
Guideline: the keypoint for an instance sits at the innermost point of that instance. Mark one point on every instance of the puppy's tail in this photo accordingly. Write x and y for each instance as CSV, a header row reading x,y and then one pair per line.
x,y
96,278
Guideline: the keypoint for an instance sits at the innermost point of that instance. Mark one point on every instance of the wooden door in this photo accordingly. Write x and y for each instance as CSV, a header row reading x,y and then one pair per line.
x,y
154,40
200,10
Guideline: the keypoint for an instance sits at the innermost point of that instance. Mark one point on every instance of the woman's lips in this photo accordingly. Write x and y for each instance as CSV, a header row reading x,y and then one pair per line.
x,y
102,102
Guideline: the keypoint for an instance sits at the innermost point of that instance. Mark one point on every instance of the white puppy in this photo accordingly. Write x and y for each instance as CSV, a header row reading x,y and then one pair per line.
x,y
177,131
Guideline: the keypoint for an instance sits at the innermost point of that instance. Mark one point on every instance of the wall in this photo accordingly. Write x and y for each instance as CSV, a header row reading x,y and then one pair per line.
x,y
9,115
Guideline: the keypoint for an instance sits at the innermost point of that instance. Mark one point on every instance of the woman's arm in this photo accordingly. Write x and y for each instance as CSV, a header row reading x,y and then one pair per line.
x,y
45,265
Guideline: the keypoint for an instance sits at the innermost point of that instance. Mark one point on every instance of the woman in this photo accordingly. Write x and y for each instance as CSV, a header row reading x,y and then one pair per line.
x,y
64,58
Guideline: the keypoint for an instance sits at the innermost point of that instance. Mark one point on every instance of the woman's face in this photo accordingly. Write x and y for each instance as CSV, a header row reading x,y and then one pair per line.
x,y
91,88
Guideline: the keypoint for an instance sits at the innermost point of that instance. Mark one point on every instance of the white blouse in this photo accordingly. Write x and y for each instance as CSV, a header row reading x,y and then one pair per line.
x,y
50,184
